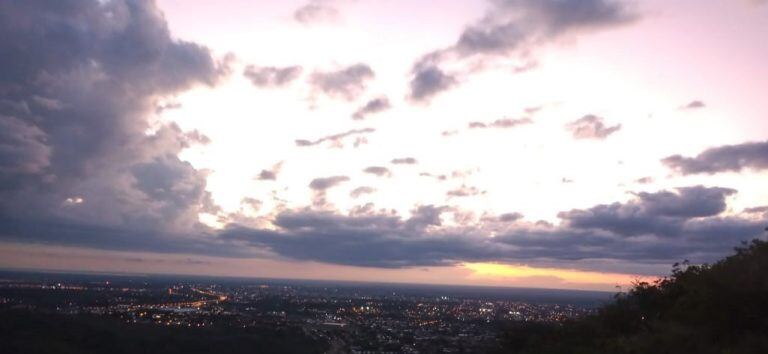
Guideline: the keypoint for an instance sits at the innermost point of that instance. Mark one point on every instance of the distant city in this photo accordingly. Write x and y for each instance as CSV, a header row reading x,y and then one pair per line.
x,y
337,317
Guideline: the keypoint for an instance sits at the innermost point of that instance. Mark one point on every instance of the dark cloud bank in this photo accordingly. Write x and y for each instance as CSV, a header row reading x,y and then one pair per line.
x,y
78,82
652,228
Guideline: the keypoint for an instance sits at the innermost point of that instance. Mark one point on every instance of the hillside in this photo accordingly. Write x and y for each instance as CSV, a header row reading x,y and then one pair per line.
x,y
719,308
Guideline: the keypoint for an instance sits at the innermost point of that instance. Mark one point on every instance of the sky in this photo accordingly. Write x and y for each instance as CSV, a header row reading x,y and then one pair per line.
x,y
579,144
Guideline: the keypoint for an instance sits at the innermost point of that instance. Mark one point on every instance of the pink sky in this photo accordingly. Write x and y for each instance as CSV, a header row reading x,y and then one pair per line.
x,y
569,144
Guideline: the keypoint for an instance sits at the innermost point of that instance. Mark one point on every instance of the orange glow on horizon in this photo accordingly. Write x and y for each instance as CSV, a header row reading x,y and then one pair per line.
x,y
499,271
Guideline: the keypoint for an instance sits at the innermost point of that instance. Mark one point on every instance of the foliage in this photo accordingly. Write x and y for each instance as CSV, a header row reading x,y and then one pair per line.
x,y
720,308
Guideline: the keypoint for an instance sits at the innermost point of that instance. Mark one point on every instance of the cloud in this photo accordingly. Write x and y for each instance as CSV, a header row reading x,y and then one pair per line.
x,y
162,261
346,83
428,80
166,106
270,76
80,161
351,240
758,210
404,161
533,109
514,23
48,103
59,231
694,105
660,213
591,127
271,174
320,185
360,141
359,191
336,139
465,191
727,158
23,148
378,171
252,203
323,183
510,217
697,201
652,230
512,29
373,106
500,123
316,11
362,210
644,180
503,218
509,123
172,184
267,175
193,137
447,133
440,177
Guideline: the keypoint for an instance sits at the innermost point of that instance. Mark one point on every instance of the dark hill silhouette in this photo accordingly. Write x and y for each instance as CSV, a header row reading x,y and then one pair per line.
x,y
719,308
24,332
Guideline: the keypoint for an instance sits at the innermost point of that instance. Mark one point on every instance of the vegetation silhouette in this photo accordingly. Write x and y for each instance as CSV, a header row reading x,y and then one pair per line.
x,y
719,308
49,333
